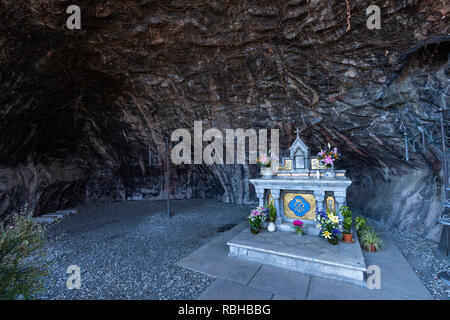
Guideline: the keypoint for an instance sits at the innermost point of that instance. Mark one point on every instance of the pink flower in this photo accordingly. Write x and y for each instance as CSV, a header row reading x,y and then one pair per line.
x,y
298,223
321,153
328,160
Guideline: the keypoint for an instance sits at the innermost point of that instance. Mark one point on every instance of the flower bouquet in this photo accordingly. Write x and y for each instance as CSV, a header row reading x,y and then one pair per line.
x,y
328,223
299,227
265,162
327,157
256,217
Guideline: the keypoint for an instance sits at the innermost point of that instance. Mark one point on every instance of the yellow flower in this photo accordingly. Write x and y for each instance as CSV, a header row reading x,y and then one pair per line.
x,y
334,219
327,235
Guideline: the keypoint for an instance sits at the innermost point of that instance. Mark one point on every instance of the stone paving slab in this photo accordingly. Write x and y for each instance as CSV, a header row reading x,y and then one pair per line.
x,y
279,297
274,279
397,276
223,289
398,280
212,259
327,289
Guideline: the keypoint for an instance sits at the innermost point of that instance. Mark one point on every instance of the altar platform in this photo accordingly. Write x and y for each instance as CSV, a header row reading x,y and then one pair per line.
x,y
308,254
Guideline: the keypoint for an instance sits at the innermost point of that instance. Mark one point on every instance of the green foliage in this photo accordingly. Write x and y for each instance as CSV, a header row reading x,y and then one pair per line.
x,y
22,260
272,212
361,224
348,220
370,237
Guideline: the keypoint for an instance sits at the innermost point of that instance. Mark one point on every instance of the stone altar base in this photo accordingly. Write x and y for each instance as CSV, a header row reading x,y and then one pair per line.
x,y
309,254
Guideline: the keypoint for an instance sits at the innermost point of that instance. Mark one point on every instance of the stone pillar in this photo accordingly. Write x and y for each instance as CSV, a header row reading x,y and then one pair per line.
x,y
276,200
320,197
340,201
260,195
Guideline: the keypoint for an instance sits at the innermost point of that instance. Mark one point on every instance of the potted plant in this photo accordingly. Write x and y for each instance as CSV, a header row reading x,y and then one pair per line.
x,y
361,225
347,224
256,217
265,162
271,217
328,223
327,157
371,241
298,225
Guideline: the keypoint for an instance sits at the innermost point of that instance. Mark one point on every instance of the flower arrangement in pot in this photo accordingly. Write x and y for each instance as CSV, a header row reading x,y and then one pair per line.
x,y
256,217
265,162
371,241
328,223
298,225
271,217
327,157
347,224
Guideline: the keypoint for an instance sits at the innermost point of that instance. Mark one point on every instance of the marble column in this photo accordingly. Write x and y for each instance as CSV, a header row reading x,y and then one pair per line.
x,y
340,201
320,197
276,200
260,195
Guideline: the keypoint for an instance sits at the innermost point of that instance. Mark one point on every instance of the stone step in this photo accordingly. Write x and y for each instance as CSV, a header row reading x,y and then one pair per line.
x,y
58,215
68,211
55,215
308,254
43,219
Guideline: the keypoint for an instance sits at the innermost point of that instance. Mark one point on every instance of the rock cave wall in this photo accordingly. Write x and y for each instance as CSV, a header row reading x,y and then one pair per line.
x,y
80,108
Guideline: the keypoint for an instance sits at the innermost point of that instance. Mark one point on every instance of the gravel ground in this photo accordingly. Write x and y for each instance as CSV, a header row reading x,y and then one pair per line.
x,y
422,255
128,250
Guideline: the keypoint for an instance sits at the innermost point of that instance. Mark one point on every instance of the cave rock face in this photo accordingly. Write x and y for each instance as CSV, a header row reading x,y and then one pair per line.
x,y
81,109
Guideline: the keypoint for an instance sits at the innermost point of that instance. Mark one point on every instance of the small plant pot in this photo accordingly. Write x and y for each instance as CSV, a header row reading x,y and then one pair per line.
x,y
372,248
254,230
271,227
347,238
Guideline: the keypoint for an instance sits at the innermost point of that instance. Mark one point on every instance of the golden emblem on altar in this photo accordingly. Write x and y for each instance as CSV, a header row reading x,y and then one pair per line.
x,y
299,206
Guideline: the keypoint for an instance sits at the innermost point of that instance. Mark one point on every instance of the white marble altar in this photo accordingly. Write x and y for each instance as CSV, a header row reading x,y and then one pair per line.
x,y
299,185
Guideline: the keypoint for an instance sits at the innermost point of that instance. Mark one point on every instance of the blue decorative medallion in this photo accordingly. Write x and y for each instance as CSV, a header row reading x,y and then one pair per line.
x,y
299,206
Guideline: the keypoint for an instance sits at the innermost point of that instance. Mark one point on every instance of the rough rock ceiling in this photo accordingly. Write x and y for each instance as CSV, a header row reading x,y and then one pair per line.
x,y
80,107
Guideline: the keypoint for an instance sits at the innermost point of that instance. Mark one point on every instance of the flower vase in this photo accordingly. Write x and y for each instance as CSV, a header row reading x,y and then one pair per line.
x,y
266,172
271,227
254,229
330,173
333,241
